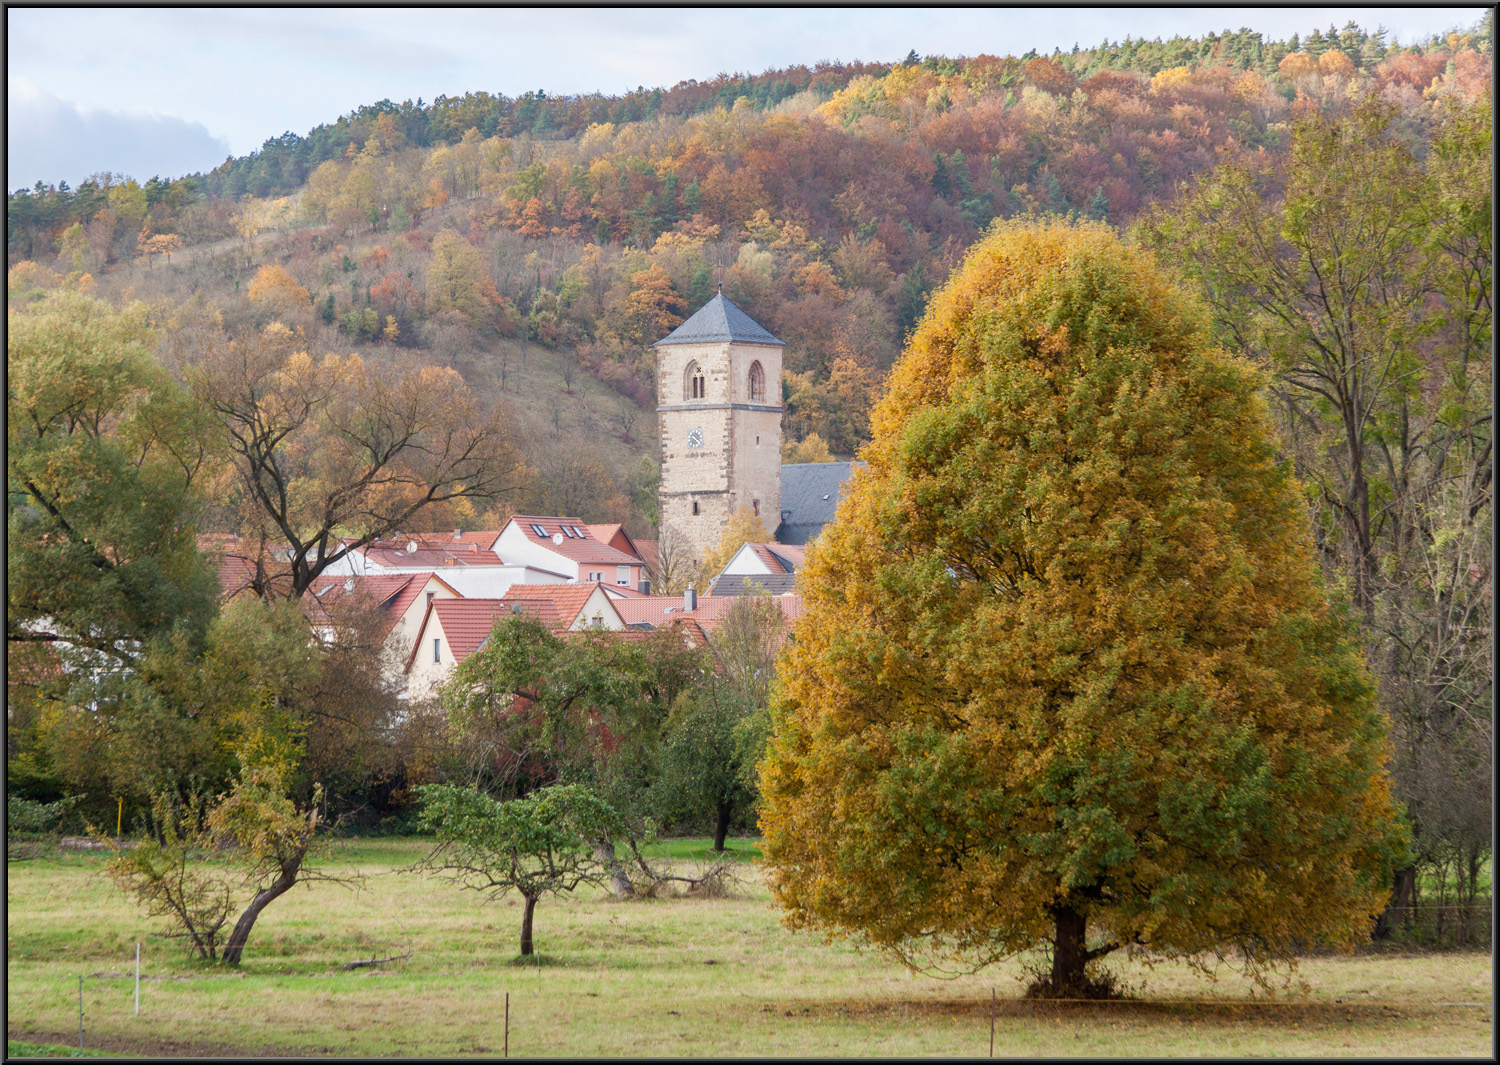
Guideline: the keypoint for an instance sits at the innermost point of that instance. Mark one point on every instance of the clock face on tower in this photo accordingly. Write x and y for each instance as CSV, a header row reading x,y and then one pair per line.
x,y
695,439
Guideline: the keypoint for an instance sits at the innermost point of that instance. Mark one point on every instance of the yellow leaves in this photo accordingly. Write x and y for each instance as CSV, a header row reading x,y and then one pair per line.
x,y
816,278
810,449
457,279
28,275
1069,560
1336,63
1172,78
274,288
1297,65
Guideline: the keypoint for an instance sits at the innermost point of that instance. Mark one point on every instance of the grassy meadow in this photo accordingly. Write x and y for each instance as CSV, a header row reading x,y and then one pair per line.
x,y
661,977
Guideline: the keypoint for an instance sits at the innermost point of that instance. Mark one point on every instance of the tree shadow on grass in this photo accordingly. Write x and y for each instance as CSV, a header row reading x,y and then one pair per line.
x,y
1224,1012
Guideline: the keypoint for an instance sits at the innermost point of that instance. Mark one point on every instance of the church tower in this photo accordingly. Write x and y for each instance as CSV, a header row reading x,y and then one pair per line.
x,y
718,386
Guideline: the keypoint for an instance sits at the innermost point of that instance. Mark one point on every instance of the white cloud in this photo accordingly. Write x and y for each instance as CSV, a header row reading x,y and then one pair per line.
x,y
52,140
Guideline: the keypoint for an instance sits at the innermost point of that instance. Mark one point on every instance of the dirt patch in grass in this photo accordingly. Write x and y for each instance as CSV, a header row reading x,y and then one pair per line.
x,y
173,1048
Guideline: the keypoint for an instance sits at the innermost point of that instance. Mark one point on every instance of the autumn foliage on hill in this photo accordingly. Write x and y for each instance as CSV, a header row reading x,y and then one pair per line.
x,y
829,201
1068,675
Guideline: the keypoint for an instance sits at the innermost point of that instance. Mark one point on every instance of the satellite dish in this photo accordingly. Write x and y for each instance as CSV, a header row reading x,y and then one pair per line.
x,y
557,538
411,548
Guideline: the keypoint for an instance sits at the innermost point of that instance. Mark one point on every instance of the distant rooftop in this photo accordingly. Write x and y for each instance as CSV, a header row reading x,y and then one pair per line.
x,y
737,584
718,319
810,493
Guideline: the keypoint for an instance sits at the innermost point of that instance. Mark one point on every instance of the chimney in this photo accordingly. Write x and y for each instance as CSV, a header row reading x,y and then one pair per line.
x,y
690,599
458,534
644,586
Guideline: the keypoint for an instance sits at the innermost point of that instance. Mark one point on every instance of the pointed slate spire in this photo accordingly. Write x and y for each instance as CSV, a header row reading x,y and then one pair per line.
x,y
718,320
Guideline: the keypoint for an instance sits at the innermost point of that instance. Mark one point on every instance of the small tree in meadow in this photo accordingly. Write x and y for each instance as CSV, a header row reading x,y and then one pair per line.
x,y
266,840
541,845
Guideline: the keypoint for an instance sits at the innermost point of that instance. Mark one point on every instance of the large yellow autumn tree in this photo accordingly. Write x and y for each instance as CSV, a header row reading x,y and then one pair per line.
x,y
1068,677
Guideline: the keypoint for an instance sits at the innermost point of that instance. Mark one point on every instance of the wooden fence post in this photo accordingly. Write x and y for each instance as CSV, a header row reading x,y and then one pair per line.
x,y
992,1022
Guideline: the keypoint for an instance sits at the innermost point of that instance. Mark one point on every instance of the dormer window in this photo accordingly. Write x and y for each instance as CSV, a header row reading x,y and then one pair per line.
x,y
757,383
694,384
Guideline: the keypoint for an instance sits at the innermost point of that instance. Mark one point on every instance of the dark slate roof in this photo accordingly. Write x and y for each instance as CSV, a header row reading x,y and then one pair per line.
x,y
810,492
755,583
718,319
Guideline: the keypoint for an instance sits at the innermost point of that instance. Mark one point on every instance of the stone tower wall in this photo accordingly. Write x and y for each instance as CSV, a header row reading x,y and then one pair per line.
x,y
739,463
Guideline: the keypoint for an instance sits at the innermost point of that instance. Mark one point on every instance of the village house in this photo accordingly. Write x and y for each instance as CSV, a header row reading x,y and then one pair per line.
x,y
568,546
453,629
437,596
398,602
763,568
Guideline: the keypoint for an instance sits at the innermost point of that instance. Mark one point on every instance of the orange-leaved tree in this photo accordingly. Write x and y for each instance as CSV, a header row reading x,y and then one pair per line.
x,y
1068,677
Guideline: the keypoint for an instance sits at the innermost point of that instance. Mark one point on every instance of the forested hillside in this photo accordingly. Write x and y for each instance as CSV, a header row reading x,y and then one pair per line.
x,y
540,244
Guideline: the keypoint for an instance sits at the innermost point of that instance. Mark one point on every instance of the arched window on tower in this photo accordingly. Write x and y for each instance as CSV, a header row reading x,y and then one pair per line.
x,y
693,384
757,383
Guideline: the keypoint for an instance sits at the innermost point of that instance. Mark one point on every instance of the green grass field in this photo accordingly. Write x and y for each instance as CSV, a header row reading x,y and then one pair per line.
x,y
661,977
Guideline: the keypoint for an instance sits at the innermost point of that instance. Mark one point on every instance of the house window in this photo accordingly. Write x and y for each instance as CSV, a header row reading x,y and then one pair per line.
x,y
622,575
597,577
756,504
598,621
693,384
757,383
431,596
695,506
437,650
539,531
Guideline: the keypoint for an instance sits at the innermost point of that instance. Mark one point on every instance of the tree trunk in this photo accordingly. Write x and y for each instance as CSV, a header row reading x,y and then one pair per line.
x,y
526,924
722,828
1069,953
619,883
1401,893
242,927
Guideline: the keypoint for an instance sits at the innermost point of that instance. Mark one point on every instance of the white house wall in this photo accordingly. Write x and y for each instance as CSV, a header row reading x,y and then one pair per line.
x,y
492,582
397,646
746,561
517,549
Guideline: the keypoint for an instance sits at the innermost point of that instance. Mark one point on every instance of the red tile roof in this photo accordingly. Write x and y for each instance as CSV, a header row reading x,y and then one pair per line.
x,y
568,599
584,548
235,559
621,591
467,622
662,610
616,536
778,558
650,554
796,554
770,561
390,594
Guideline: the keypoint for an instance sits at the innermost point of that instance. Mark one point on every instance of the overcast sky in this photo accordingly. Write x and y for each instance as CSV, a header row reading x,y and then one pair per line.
x,y
169,91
